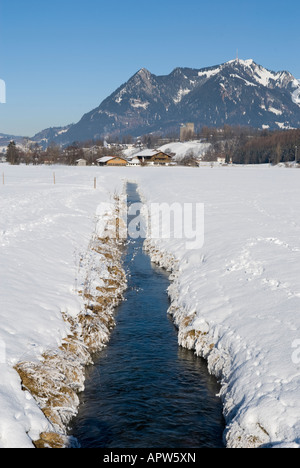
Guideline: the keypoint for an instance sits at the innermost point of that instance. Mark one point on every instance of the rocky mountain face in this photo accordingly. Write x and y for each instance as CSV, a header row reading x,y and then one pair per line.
x,y
239,92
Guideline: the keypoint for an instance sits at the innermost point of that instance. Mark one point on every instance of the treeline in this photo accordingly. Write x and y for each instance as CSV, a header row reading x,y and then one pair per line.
x,y
270,147
54,154
90,150
243,145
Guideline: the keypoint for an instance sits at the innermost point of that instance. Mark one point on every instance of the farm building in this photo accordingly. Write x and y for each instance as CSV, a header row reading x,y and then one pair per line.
x,y
154,157
221,160
111,161
81,162
133,162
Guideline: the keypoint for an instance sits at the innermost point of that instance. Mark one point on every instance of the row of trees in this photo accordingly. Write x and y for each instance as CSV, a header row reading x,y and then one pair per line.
x,y
54,154
274,147
243,145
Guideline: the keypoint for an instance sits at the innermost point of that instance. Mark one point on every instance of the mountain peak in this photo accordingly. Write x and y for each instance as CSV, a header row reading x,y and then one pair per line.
x,y
144,73
247,62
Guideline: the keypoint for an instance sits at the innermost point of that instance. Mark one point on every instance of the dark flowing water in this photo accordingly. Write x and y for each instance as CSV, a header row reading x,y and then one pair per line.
x,y
145,391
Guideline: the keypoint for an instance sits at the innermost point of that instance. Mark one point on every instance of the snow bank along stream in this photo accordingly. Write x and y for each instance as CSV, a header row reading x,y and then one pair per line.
x,y
236,300
56,381
61,277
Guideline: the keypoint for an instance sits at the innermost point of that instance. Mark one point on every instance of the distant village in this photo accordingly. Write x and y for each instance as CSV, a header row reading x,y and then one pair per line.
x,y
214,146
149,150
109,154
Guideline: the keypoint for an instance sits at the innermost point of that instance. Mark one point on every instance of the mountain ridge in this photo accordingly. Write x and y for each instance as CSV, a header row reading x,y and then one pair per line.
x,y
238,92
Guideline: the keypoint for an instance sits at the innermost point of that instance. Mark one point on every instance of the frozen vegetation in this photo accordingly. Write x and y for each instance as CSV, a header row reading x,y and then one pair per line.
x,y
235,300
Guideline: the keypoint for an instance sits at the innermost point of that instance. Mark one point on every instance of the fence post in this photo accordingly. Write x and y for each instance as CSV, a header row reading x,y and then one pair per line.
x,y
3,180
54,181
95,182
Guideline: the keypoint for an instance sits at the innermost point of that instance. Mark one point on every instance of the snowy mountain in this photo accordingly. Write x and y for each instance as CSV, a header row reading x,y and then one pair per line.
x,y
50,134
239,92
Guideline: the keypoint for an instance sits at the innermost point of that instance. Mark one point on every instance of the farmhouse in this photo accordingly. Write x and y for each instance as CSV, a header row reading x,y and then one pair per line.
x,y
154,157
111,161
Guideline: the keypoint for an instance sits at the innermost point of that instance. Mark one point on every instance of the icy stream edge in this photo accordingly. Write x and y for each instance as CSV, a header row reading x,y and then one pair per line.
x,y
203,340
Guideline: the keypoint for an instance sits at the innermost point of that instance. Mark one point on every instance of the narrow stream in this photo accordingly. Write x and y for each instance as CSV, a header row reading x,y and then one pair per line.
x,y
145,391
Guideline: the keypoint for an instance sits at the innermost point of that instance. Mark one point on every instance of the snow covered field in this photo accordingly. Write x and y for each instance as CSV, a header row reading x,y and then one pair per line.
x,y
236,300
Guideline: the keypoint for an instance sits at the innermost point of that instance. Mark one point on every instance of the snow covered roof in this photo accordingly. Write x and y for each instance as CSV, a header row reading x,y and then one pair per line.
x,y
147,153
105,159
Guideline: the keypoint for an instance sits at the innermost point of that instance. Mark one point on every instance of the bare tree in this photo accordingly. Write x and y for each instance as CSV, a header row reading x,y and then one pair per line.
x,y
53,153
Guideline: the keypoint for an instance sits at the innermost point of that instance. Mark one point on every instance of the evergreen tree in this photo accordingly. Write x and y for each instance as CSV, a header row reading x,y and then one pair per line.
x,y
13,155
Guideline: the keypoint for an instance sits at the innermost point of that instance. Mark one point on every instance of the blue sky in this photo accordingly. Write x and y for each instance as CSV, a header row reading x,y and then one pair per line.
x,y
60,59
